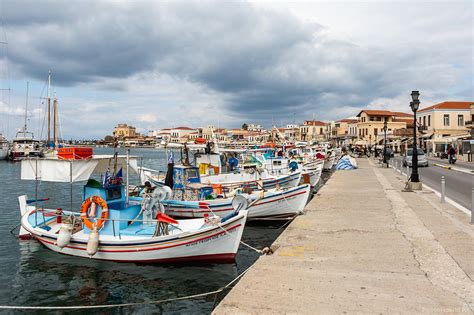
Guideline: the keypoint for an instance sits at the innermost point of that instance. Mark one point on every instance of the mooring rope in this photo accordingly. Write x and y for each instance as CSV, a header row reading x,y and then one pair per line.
x,y
14,228
75,307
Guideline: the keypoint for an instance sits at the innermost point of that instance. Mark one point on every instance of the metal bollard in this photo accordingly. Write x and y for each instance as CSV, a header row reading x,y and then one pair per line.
x,y
443,189
408,171
472,205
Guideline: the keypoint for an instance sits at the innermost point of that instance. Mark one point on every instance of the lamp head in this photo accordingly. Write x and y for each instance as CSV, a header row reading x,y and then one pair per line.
x,y
415,95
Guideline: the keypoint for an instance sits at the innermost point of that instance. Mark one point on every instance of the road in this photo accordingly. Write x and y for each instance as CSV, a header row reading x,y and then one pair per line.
x,y
458,185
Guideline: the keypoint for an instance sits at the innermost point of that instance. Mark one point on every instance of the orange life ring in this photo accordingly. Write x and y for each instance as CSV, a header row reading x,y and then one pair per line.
x,y
103,216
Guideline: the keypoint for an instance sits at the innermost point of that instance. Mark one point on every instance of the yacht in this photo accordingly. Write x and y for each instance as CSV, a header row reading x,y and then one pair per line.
x,y
24,145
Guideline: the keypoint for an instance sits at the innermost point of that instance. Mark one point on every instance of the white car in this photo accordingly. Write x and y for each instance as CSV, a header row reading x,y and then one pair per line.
x,y
422,161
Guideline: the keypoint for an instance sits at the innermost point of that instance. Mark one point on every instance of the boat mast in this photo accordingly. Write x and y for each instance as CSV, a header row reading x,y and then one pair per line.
x,y
26,108
49,107
55,121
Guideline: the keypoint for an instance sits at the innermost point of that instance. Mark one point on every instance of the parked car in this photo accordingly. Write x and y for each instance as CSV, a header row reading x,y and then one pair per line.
x,y
422,161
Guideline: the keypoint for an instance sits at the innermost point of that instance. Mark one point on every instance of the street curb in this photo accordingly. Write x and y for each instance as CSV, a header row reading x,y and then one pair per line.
x,y
437,193
454,168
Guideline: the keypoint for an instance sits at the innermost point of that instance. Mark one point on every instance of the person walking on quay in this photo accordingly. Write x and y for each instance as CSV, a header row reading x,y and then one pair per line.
x,y
451,154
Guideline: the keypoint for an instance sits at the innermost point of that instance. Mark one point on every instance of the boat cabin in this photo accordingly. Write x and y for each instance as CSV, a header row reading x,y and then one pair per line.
x,y
114,195
187,184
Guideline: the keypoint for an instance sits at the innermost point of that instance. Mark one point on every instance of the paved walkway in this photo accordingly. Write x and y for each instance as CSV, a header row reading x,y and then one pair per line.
x,y
365,246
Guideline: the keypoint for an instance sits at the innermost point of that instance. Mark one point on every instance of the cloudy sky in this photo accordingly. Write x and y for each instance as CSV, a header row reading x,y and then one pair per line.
x,y
162,64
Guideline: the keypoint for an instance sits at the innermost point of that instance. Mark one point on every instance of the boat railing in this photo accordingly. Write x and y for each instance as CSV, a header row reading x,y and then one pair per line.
x,y
66,214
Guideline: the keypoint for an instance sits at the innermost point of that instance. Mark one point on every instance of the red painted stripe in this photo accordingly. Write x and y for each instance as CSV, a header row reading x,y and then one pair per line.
x,y
218,258
146,249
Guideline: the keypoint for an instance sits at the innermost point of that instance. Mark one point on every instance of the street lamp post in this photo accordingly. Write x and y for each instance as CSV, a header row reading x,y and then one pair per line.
x,y
385,160
415,178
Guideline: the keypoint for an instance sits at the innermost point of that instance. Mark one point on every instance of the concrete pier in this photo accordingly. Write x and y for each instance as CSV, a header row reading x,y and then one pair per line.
x,y
365,246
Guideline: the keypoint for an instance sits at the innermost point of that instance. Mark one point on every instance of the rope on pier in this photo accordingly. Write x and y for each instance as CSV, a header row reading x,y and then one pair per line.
x,y
76,307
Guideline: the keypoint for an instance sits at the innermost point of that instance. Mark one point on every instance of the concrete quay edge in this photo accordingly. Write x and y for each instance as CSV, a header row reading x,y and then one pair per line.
x,y
363,246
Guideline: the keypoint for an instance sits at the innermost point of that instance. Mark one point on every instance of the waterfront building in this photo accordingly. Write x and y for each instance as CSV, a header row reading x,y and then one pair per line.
x,y
313,130
181,134
340,131
445,119
255,128
445,123
291,132
371,123
123,131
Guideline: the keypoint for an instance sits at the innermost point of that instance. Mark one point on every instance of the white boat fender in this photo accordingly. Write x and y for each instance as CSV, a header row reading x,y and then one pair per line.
x,y
64,235
93,242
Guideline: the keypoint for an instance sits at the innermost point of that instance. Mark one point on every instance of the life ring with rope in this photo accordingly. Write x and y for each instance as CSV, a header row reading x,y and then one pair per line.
x,y
97,201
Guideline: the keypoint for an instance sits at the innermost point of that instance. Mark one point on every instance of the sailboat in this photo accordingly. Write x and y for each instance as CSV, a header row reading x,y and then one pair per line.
x,y
4,145
24,145
52,142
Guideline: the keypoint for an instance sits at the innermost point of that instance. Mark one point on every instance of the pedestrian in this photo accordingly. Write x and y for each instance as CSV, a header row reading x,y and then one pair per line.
x,y
451,154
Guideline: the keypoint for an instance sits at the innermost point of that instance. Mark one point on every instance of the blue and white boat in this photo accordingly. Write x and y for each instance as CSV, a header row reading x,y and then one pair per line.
x,y
193,199
113,226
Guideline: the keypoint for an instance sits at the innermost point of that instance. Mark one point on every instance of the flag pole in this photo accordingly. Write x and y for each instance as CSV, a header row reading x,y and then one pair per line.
x,y
126,188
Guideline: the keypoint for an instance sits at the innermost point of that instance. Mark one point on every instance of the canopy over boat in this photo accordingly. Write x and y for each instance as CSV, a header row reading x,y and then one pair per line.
x,y
69,171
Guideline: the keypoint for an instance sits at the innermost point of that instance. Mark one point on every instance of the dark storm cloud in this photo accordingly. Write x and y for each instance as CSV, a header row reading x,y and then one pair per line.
x,y
264,62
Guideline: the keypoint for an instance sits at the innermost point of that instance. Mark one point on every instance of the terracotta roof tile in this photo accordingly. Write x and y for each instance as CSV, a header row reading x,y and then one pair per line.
x,y
373,112
348,120
449,105
402,114
314,123
184,128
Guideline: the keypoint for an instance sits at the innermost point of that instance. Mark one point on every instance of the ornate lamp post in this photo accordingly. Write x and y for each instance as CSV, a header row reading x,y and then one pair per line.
x,y
385,160
415,178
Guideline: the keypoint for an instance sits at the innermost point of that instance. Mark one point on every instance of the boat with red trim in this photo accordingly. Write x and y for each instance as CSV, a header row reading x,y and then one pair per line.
x,y
114,226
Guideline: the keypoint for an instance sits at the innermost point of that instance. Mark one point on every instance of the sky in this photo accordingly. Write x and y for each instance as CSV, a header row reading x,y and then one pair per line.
x,y
163,64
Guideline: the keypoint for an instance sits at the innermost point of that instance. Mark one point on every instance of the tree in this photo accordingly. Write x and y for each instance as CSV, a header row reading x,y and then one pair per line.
x,y
245,126
109,139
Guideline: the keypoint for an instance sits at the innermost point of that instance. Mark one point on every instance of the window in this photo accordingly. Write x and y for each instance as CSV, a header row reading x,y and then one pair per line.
x,y
429,120
375,131
460,120
424,120
446,119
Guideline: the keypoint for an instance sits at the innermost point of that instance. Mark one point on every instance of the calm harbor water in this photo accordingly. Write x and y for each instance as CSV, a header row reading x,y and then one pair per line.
x,y
34,276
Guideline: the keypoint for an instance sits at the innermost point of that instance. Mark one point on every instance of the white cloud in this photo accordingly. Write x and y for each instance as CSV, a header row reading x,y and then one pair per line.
x,y
158,65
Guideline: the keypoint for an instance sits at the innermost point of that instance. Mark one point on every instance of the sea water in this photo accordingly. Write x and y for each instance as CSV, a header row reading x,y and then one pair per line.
x,y
32,275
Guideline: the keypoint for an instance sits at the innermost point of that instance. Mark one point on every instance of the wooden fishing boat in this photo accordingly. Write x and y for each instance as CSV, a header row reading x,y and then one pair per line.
x,y
113,226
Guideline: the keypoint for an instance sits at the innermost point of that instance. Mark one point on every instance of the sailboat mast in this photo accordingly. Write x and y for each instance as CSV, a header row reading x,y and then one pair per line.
x,y
26,107
49,107
55,119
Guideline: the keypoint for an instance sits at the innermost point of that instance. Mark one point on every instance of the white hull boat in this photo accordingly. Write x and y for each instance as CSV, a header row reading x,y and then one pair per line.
x,y
273,203
329,162
232,181
189,240
111,225
254,181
